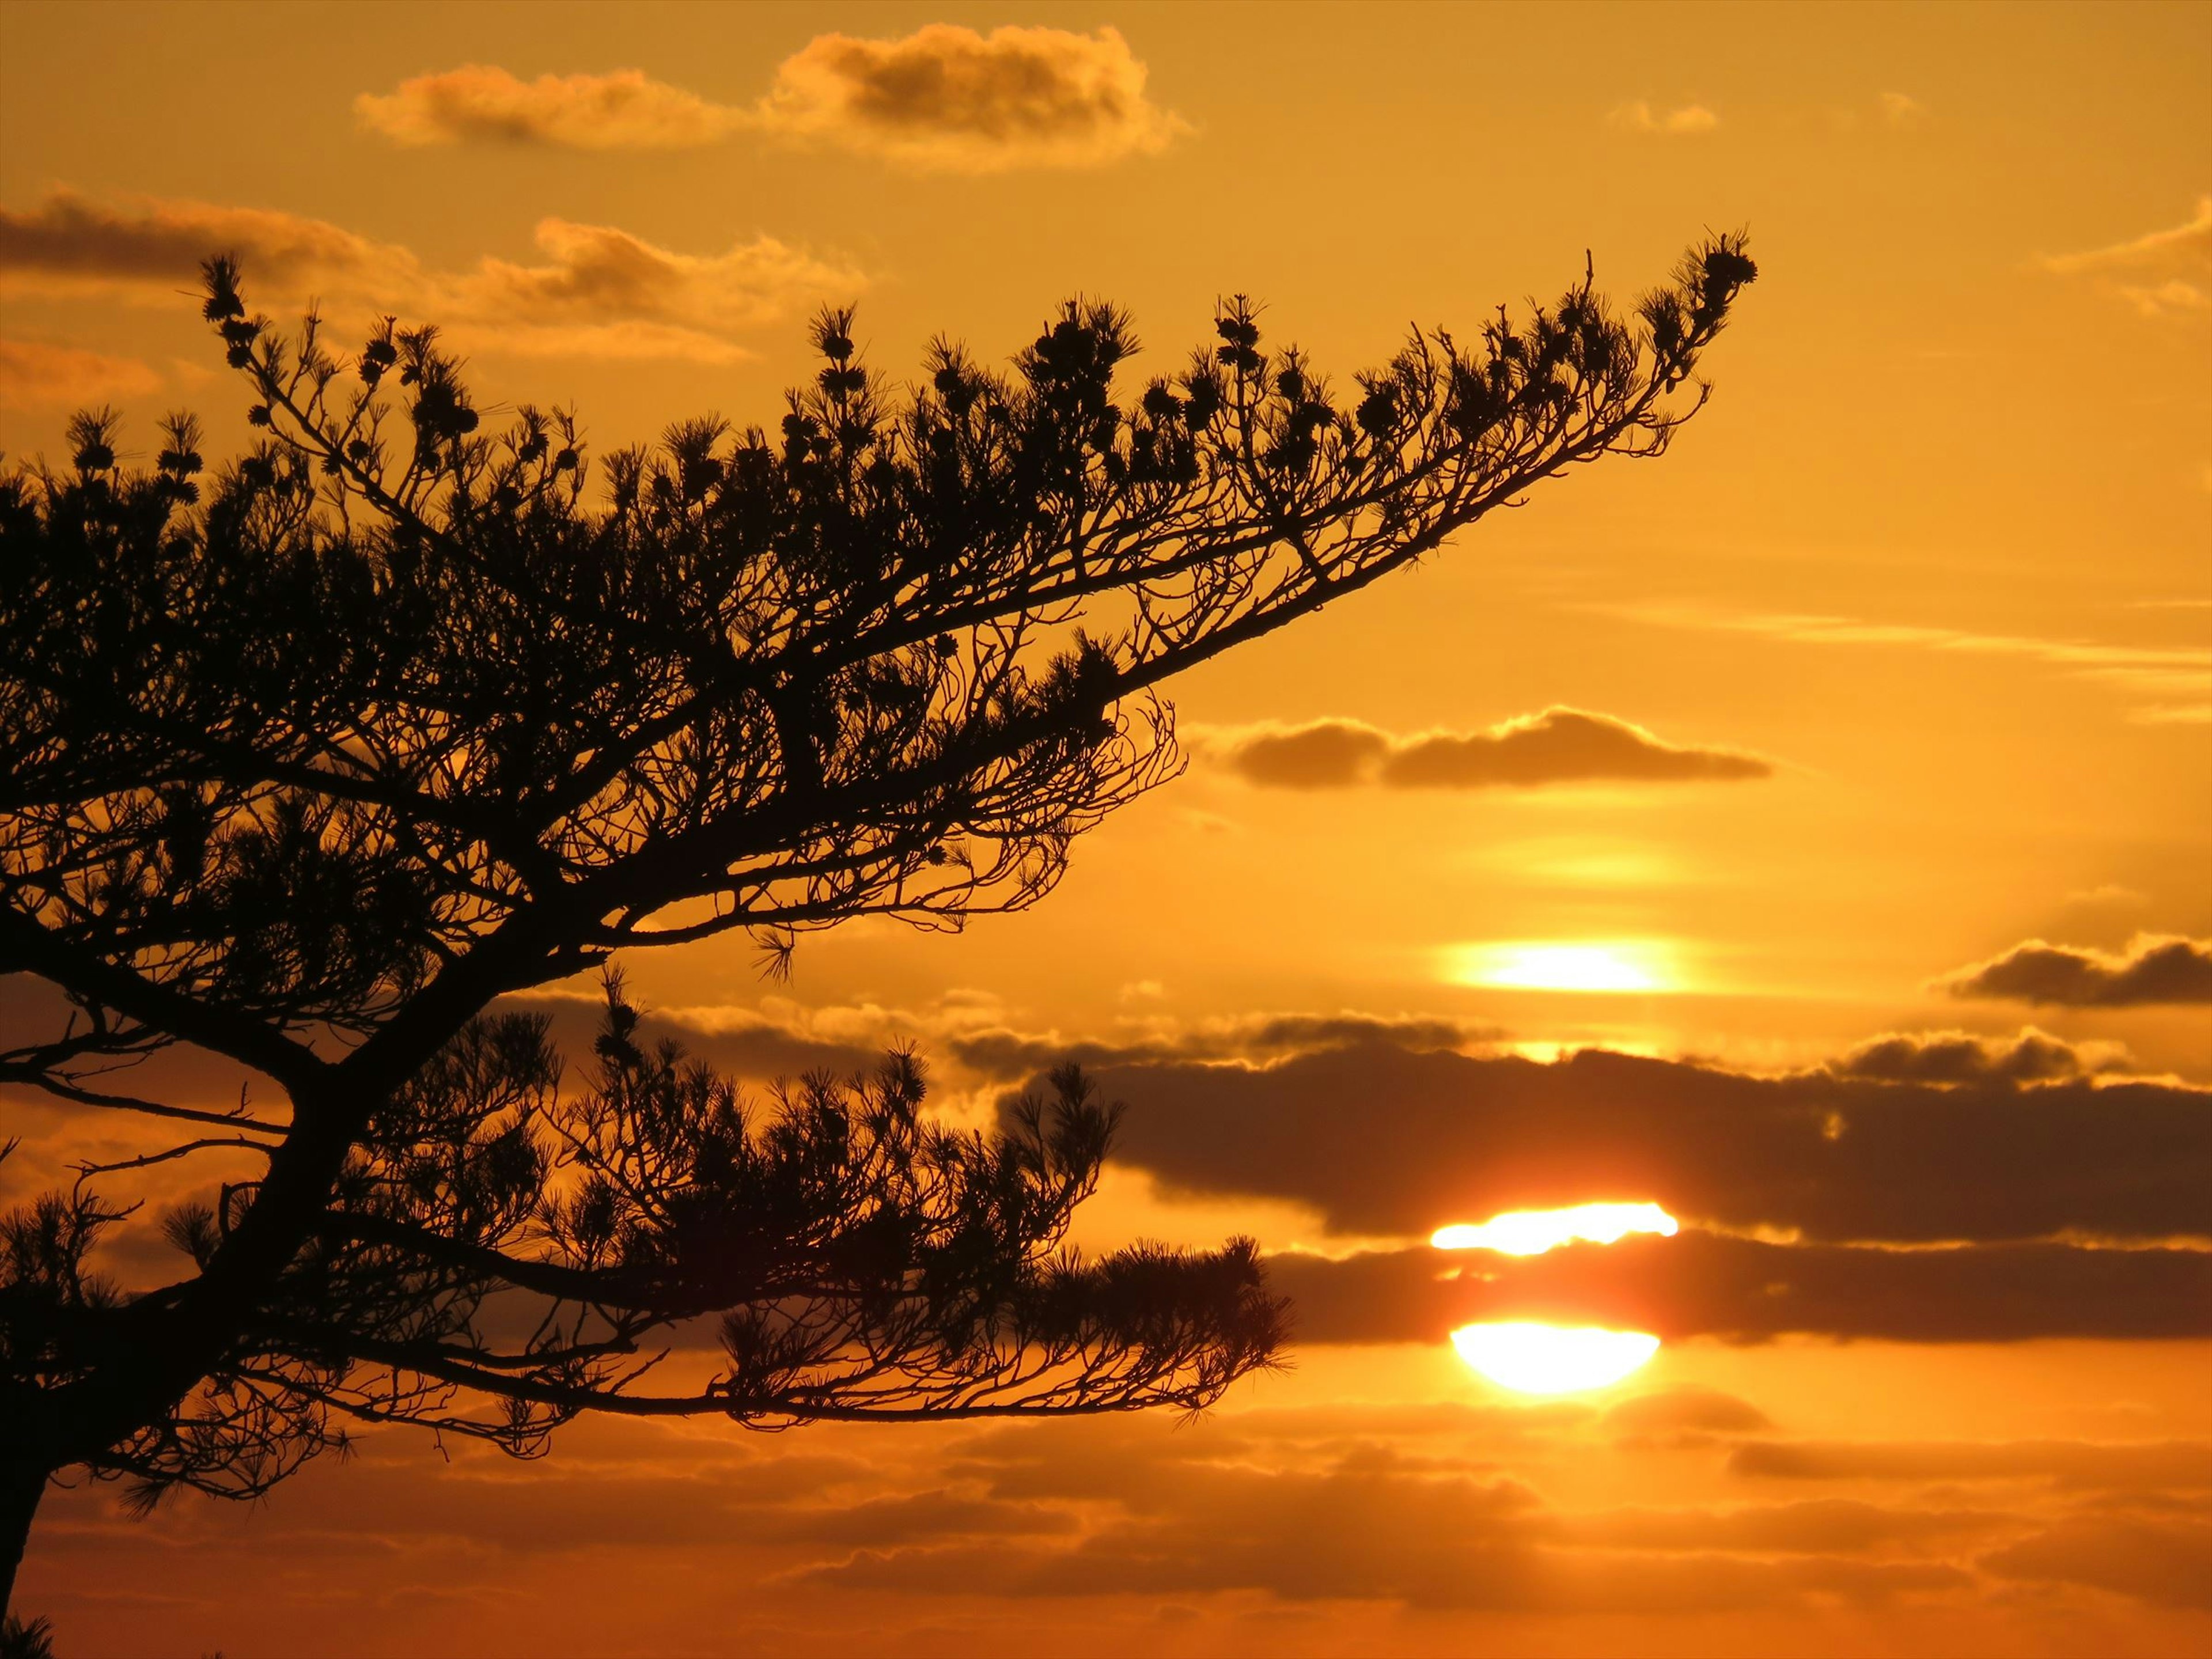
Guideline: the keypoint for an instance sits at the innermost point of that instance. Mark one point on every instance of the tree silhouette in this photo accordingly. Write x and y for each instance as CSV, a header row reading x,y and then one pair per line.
x,y
306,765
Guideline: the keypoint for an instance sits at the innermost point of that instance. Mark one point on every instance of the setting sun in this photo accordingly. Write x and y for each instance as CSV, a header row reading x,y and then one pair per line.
x,y
1535,1358
1616,965
1532,1232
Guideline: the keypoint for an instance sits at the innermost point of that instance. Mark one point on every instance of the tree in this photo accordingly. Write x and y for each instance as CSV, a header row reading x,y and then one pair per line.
x,y
397,716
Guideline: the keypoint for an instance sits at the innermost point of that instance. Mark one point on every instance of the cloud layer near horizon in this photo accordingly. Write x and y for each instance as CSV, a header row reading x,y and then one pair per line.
x,y
1559,745
1384,1142
942,97
1743,1290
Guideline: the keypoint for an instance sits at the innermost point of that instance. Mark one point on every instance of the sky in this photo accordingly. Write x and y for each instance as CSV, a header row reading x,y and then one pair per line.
x,y
1809,833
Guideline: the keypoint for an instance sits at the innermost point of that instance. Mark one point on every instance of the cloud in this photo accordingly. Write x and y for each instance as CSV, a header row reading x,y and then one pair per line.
x,y
1901,109
34,375
1745,1290
1686,1408
1387,1143
604,292
2166,1562
1001,1053
949,98
942,97
1680,122
624,110
2032,1056
2139,670
1379,1522
2159,273
151,249
1559,745
2073,1465
2154,968
597,292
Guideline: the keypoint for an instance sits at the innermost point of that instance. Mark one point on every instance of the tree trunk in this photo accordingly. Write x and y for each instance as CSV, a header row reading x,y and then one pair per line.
x,y
21,1486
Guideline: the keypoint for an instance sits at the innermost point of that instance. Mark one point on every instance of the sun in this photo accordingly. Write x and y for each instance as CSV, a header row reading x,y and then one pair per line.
x,y
1614,966
1530,1358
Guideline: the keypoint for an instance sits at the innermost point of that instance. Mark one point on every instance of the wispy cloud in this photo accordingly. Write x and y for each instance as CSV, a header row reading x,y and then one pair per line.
x,y
33,374
1559,745
2143,671
2160,273
1901,109
943,98
596,291
1685,120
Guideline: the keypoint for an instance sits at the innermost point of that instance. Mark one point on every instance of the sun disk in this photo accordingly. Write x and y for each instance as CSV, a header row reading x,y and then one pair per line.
x,y
1536,1359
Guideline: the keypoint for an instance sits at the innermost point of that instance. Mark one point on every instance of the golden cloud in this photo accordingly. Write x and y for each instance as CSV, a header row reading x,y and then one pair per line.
x,y
942,97
1684,121
624,110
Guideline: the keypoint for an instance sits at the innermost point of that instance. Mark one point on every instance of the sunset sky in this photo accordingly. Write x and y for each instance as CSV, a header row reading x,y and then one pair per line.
x,y
1809,833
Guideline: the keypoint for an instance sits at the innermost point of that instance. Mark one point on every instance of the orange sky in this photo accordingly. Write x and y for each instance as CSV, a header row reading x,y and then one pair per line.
x,y
1920,608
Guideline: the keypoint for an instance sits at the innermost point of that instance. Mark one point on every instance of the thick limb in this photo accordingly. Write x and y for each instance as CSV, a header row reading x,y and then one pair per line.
x,y
22,1484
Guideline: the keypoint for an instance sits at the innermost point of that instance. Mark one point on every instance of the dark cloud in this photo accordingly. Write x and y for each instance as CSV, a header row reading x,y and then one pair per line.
x,y
1003,1053
1561,745
749,1047
2166,1562
2154,969
2032,1056
1385,1142
1706,1285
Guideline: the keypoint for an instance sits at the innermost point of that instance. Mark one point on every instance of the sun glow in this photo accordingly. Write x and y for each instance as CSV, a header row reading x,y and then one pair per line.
x,y
1532,1232
1615,965
1532,1359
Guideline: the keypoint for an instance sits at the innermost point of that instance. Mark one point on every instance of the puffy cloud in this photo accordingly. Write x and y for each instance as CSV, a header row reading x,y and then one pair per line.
x,y
1683,121
1746,1289
944,97
2159,273
2154,969
33,374
1559,745
1384,1142
598,291
2032,1056
604,292
949,98
624,110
